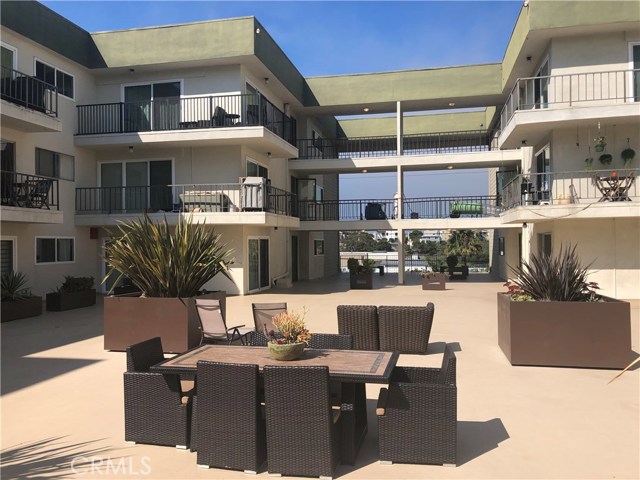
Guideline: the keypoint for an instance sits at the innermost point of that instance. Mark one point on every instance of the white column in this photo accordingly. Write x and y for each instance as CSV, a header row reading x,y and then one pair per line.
x,y
399,200
400,256
399,128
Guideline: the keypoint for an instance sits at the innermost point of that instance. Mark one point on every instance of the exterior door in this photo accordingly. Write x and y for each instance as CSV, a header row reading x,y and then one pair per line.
x,y
111,191
541,86
635,59
258,264
8,167
294,258
543,179
137,108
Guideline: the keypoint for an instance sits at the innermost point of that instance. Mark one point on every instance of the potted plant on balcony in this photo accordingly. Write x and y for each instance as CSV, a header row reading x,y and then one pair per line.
x,y
75,292
552,316
361,273
170,265
17,300
599,143
605,159
628,154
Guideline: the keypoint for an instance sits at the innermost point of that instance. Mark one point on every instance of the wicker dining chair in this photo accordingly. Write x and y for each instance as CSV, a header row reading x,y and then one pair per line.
x,y
264,312
213,326
417,414
361,321
230,428
156,410
302,428
405,329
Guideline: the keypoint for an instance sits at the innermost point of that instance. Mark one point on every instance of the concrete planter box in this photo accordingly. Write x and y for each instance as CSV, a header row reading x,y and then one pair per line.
x,y
565,334
361,281
31,307
60,301
436,281
132,319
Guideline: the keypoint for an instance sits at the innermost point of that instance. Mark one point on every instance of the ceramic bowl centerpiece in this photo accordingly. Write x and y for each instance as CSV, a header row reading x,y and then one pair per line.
x,y
292,336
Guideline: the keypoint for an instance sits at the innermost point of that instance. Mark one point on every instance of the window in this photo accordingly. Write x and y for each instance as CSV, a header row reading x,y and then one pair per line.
x,y
55,250
7,255
501,246
53,164
318,247
319,194
634,60
51,75
256,170
8,59
544,244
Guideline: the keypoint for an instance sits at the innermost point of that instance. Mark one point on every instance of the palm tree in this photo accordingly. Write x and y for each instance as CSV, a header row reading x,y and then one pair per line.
x,y
464,243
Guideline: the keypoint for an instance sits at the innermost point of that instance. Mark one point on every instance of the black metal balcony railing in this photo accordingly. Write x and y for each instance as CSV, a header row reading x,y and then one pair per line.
x,y
196,198
417,144
412,208
29,191
577,89
174,113
30,92
561,188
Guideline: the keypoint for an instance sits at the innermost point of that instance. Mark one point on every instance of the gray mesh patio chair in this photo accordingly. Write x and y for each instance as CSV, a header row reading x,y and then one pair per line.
x,y
303,430
405,329
156,411
417,414
264,312
229,428
213,326
361,321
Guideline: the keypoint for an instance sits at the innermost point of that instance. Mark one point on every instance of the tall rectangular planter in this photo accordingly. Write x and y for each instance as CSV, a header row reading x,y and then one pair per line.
x,y
31,307
60,301
129,320
435,281
565,334
361,281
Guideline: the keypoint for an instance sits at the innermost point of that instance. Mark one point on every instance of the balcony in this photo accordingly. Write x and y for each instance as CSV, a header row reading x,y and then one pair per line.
x,y
186,114
29,198
584,194
417,144
232,203
538,104
32,105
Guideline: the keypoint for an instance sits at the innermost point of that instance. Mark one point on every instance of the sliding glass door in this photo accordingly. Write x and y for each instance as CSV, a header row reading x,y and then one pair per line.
x,y
258,264
152,107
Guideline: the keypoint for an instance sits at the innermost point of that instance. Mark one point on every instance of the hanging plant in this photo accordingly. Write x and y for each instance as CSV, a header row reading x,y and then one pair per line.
x,y
599,143
628,154
605,159
588,162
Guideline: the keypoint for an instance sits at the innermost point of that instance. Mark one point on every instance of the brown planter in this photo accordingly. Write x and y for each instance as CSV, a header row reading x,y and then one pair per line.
x,y
361,281
31,307
129,320
565,334
435,281
60,301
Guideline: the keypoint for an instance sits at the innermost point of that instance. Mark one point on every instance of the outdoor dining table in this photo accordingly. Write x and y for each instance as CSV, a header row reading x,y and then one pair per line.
x,y
354,368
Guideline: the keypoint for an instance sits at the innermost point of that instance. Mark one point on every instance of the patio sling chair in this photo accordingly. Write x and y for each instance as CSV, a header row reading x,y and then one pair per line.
x,y
302,428
213,326
361,321
405,329
417,414
230,428
156,410
264,312
38,196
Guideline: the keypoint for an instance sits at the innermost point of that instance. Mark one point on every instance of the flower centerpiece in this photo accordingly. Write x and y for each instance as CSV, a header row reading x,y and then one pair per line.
x,y
292,336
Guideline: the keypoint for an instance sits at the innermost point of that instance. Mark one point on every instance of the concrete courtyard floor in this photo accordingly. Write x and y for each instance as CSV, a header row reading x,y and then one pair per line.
x,y
62,398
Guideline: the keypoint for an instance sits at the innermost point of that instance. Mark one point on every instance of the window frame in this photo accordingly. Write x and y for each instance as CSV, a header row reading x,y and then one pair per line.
x,y
15,55
56,70
57,176
258,164
56,238
14,250
318,247
632,93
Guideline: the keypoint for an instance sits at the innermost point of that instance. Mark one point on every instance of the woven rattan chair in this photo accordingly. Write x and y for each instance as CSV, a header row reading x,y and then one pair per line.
x,y
405,329
264,312
230,427
360,321
155,409
331,340
302,428
213,326
417,414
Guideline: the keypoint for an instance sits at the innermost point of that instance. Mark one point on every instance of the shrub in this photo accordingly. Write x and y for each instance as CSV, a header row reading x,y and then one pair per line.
x,y
75,284
14,287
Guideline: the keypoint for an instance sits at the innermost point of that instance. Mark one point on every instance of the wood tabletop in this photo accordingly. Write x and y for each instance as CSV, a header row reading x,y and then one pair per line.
x,y
359,366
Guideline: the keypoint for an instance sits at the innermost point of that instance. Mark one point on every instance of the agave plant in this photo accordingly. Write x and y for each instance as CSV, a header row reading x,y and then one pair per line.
x,y
14,287
561,278
165,261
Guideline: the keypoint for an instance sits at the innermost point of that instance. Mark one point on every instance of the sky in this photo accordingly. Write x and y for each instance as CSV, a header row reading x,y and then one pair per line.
x,y
335,37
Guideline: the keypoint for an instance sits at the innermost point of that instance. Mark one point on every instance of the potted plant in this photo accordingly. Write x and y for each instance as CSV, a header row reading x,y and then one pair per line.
x,y
599,143
75,292
552,316
606,158
170,265
588,162
361,273
292,336
462,243
433,281
17,300
628,154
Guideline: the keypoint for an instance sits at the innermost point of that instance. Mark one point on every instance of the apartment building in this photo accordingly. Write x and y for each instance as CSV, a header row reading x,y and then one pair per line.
x,y
211,119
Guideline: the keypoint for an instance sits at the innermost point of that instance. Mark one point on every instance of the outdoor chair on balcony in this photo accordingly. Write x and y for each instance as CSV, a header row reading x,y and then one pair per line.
x,y
219,117
360,321
405,329
263,314
213,326
417,414
229,424
38,193
303,430
156,410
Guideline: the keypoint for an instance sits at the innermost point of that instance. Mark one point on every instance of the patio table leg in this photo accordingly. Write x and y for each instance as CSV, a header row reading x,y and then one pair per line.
x,y
354,420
